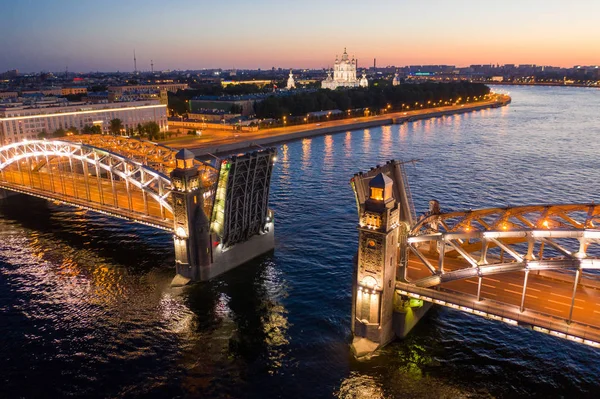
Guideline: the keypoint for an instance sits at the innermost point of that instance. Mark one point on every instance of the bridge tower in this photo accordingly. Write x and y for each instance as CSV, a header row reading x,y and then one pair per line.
x,y
375,274
192,234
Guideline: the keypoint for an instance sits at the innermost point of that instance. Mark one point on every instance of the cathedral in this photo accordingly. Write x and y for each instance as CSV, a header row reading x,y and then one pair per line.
x,y
344,74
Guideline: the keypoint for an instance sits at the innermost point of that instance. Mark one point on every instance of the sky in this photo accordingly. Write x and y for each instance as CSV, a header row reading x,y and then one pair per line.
x,y
101,35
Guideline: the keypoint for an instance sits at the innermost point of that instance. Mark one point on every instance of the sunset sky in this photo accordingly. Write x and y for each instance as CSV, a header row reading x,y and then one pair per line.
x,y
88,35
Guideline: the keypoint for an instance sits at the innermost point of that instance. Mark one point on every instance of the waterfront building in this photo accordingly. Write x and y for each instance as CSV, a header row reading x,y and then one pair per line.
x,y
172,87
344,74
212,116
19,121
291,84
243,104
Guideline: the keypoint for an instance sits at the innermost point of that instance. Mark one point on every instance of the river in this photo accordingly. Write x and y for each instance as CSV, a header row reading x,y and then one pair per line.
x,y
86,308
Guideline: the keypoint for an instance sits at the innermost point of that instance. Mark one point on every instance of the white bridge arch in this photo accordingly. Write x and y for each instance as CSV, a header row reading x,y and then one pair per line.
x,y
102,171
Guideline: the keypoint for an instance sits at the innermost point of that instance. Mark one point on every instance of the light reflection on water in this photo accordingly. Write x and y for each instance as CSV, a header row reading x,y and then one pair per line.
x,y
87,309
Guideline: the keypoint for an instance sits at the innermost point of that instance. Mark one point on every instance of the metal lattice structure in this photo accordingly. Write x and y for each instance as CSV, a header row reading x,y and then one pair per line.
x,y
503,240
93,178
242,197
156,156
535,266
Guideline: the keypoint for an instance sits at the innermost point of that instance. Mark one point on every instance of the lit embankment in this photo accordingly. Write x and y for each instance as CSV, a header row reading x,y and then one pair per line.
x,y
221,144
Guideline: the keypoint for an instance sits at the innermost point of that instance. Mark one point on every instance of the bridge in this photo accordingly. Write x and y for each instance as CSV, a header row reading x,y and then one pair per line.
x,y
218,214
533,266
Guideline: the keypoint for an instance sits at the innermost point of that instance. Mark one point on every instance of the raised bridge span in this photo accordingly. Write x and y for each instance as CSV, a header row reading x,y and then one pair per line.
x,y
534,266
218,213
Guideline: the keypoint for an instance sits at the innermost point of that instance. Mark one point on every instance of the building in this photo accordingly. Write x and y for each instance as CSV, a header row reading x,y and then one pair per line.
x,y
243,104
9,74
363,81
97,97
291,84
172,87
260,82
212,116
344,74
8,94
51,91
67,91
139,95
19,121
396,80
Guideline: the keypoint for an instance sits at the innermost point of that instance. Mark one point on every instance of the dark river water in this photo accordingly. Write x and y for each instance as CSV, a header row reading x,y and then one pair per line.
x,y
86,309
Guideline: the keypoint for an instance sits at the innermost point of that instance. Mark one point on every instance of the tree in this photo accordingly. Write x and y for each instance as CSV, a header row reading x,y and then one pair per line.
x,y
115,126
43,134
152,130
95,129
59,133
73,130
140,130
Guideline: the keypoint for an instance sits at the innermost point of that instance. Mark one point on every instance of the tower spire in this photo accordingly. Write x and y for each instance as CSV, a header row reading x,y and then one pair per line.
x,y
134,63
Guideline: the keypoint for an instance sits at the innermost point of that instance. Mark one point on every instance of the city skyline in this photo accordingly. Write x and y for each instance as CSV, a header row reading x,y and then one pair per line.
x,y
85,36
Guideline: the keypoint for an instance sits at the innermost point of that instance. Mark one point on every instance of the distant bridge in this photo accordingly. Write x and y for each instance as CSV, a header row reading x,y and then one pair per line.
x,y
152,184
528,265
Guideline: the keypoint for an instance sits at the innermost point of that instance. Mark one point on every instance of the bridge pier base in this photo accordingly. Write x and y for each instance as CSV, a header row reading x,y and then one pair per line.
x,y
201,251
407,313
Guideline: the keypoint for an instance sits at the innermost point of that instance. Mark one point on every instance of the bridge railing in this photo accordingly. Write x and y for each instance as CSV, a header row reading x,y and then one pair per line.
x,y
541,322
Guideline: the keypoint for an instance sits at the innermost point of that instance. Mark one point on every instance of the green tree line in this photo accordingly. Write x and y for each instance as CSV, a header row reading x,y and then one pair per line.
x,y
376,97
149,130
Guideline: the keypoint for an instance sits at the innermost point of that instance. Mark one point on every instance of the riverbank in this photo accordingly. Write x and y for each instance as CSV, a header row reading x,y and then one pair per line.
x,y
549,84
217,142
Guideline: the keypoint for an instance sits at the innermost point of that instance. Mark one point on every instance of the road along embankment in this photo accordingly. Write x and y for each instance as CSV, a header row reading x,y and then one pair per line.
x,y
266,139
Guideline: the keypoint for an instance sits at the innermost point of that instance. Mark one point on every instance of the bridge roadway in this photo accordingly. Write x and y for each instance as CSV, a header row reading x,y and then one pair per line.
x,y
544,295
71,188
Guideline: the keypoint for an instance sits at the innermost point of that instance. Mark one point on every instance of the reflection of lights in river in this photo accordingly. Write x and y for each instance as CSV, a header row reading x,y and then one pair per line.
x,y
275,323
176,314
306,143
366,140
328,150
386,136
359,386
348,144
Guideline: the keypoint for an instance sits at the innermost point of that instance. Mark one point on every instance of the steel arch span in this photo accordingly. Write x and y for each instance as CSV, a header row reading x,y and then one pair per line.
x,y
89,177
504,240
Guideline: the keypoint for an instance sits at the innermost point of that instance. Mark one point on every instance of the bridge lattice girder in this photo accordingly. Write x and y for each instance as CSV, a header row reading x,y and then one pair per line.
x,y
156,156
153,184
504,240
